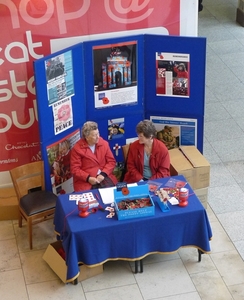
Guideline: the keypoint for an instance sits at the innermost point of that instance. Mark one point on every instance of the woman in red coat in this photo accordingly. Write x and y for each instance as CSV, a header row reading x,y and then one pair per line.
x,y
92,161
148,158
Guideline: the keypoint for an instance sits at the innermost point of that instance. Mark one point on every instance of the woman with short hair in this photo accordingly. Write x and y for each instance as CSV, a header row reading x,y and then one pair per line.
x,y
92,161
148,158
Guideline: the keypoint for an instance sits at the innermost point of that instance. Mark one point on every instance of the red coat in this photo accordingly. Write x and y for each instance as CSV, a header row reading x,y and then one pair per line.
x,y
181,74
84,163
159,161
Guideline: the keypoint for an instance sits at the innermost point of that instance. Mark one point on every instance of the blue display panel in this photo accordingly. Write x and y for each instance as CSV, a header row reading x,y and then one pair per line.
x,y
60,94
117,83
175,75
61,107
114,75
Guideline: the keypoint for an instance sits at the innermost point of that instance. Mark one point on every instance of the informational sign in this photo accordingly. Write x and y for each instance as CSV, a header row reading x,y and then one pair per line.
x,y
175,132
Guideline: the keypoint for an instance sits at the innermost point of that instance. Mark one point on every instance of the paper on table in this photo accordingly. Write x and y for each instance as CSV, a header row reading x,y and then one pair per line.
x,y
107,194
173,201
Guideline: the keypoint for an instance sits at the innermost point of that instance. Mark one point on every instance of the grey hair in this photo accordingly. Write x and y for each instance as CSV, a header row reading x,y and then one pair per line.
x,y
147,128
88,127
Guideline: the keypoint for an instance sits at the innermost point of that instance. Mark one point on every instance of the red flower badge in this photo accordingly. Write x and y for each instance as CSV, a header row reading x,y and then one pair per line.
x,y
105,100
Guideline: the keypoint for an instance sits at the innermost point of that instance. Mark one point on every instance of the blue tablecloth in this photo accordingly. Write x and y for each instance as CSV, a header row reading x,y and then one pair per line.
x,y
96,239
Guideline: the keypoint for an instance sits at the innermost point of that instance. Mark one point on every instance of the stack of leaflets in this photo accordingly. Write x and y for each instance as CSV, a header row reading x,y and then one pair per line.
x,y
87,196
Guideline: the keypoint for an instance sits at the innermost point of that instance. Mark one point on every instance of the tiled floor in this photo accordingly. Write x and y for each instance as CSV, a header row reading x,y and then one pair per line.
x,y
24,275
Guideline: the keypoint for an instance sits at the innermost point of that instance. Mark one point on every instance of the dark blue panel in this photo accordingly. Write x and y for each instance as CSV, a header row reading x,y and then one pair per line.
x,y
45,112
196,48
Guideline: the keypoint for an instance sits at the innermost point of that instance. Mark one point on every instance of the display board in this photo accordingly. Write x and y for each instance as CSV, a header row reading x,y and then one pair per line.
x,y
175,87
118,82
61,109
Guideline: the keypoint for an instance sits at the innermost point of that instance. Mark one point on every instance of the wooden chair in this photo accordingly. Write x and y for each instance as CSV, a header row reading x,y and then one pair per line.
x,y
125,150
35,203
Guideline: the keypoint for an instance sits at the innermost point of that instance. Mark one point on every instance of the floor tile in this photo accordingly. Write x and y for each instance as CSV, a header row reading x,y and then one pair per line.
x,y
43,234
128,292
230,149
230,266
220,241
164,279
6,230
116,274
218,131
190,261
220,175
12,285
9,255
211,286
222,200
233,223
35,269
55,290
237,291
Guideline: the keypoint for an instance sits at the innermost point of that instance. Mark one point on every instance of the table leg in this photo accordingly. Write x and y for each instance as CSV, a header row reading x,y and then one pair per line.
x,y
200,255
141,266
136,266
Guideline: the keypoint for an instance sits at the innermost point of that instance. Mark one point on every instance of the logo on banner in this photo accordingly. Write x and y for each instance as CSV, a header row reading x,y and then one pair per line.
x,y
123,12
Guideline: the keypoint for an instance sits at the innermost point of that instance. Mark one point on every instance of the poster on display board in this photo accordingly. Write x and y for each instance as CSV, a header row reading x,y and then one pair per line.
x,y
58,156
172,74
59,76
115,74
116,128
62,115
34,29
175,132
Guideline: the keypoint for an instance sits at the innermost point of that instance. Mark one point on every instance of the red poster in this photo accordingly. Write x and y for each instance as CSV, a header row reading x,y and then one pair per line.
x,y
28,27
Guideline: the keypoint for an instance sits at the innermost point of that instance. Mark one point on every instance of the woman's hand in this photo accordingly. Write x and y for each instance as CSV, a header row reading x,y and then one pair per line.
x,y
93,180
100,178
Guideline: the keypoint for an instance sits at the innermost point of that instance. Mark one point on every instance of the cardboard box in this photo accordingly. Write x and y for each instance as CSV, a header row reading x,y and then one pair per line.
x,y
58,265
8,204
189,162
240,16
202,195
135,192
241,5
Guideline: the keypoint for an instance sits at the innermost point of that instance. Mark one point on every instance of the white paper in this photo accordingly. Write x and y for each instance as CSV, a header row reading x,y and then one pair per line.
x,y
173,201
107,194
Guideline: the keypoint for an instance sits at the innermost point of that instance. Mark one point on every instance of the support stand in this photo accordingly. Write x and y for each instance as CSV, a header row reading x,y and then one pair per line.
x,y
136,266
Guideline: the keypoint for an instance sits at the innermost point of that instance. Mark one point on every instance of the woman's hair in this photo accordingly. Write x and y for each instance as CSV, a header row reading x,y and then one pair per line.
x,y
88,127
147,128
65,144
182,66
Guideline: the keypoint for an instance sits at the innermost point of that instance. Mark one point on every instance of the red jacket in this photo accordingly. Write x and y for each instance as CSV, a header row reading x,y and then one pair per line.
x,y
181,74
159,161
84,163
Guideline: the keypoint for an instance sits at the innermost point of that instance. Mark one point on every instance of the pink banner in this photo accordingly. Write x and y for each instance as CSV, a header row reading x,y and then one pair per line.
x,y
27,26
